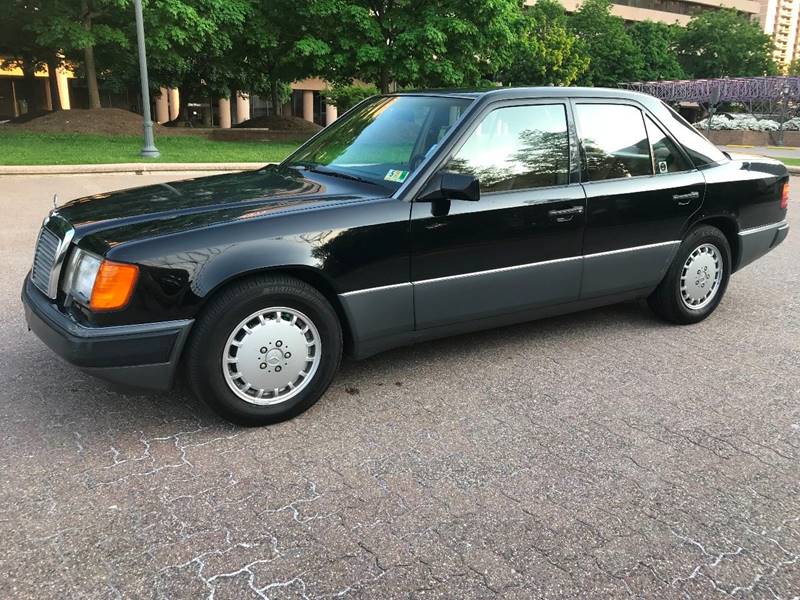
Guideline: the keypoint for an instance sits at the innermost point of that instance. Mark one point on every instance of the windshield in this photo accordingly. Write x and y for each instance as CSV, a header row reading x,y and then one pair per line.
x,y
384,140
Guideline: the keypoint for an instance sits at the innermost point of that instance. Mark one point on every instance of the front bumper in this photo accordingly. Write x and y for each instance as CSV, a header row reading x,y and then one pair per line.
x,y
144,355
757,241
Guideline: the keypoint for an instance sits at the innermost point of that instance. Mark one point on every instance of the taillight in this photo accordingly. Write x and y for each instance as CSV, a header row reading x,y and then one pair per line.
x,y
113,286
785,196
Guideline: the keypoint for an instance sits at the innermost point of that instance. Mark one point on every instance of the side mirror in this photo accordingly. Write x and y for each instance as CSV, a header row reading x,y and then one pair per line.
x,y
451,186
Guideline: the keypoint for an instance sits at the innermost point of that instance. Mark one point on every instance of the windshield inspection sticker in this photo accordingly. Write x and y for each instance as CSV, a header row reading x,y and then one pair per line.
x,y
396,175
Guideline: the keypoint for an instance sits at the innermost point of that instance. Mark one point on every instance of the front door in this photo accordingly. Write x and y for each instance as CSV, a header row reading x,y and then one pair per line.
x,y
519,246
641,190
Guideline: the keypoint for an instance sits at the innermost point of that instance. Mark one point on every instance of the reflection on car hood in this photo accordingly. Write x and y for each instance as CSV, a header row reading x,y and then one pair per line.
x,y
192,203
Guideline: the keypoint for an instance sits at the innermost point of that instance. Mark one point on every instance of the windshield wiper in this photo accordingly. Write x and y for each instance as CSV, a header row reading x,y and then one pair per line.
x,y
324,171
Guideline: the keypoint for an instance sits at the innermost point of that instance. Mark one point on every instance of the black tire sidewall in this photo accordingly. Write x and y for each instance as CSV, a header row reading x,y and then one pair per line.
x,y
701,235
207,378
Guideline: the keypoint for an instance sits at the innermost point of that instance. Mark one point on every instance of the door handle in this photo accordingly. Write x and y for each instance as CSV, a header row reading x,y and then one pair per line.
x,y
684,199
565,214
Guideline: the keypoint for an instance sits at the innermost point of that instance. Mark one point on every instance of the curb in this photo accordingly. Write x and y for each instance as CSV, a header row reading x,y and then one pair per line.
x,y
131,168
794,170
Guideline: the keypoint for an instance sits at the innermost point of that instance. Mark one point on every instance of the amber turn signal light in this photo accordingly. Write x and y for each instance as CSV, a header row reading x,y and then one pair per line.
x,y
113,286
785,196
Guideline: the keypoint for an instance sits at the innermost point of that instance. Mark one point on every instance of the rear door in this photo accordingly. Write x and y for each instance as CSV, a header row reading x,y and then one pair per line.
x,y
641,190
519,246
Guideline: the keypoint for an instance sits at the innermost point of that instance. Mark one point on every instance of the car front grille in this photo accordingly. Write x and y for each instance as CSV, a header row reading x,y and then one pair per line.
x,y
54,239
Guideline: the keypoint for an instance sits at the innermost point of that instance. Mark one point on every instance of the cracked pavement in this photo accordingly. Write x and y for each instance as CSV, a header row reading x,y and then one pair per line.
x,y
601,454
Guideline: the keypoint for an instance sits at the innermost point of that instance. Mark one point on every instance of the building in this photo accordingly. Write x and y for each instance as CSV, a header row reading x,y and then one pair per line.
x,y
670,11
19,95
779,18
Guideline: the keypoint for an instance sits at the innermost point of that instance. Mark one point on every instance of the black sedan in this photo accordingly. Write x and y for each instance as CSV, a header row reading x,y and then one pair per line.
x,y
413,216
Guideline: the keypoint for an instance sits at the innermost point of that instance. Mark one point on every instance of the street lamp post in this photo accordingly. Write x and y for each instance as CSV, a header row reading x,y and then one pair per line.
x,y
149,149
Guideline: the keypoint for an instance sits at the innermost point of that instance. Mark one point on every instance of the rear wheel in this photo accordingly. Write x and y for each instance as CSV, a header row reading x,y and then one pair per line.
x,y
696,281
264,350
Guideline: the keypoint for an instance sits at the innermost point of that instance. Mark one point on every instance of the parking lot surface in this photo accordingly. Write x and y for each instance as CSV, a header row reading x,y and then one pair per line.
x,y
602,454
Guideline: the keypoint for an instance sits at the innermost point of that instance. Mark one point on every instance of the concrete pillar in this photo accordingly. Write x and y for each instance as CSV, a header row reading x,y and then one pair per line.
x,y
162,106
225,113
63,88
331,113
242,107
308,105
174,103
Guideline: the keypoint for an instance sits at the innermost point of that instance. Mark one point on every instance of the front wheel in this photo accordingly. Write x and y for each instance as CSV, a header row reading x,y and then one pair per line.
x,y
696,281
264,350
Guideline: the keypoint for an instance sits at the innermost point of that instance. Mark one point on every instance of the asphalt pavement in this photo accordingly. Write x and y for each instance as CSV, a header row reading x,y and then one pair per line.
x,y
602,454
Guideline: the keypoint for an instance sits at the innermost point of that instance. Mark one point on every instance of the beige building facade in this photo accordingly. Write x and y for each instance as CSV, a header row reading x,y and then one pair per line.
x,y
780,18
668,11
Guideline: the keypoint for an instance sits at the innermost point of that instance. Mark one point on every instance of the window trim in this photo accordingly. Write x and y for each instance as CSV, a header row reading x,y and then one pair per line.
x,y
476,118
612,102
464,139
644,112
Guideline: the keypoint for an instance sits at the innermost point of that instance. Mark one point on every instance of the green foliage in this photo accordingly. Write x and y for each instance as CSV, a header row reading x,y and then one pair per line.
x,y
794,67
614,55
723,43
419,43
344,97
545,50
656,44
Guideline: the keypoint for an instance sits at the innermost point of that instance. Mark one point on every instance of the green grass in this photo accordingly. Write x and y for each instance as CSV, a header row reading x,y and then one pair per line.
x,y
27,148
791,162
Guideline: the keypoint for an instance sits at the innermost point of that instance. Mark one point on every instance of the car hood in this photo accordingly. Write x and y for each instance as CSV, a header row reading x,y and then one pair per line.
x,y
165,208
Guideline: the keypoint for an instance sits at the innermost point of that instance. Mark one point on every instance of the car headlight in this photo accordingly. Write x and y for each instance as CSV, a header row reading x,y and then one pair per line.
x,y
81,275
99,283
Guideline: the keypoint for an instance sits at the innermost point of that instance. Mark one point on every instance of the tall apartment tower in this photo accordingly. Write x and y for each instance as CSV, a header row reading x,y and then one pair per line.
x,y
779,19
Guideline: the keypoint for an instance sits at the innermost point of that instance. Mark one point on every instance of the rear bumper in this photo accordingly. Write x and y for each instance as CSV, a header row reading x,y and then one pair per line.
x,y
756,242
144,355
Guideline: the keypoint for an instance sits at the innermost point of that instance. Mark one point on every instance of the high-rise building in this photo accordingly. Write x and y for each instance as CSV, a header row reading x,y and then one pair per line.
x,y
779,19
672,11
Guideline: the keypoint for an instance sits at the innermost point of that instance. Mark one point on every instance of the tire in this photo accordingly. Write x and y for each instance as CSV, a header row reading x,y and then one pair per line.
x,y
692,289
245,342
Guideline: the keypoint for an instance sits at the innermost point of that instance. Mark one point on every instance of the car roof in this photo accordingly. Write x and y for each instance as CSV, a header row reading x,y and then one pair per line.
x,y
532,92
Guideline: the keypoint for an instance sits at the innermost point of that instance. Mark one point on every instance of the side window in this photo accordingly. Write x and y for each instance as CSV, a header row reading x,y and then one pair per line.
x,y
614,141
666,156
516,148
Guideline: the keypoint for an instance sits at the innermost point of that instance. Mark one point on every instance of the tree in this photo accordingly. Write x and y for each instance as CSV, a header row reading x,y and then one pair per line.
x,y
344,97
410,43
76,28
794,67
23,45
191,46
615,58
267,52
723,43
545,50
656,43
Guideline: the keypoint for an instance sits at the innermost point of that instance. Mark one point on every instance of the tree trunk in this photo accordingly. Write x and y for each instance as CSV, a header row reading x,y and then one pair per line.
x,y
183,113
88,60
53,81
30,92
276,107
384,81
208,114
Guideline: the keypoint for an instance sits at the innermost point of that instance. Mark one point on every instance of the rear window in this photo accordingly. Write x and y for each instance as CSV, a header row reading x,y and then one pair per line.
x,y
700,150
